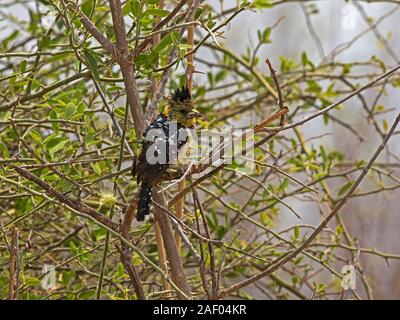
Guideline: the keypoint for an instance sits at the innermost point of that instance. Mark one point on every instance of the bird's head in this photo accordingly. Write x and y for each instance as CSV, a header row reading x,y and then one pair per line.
x,y
181,108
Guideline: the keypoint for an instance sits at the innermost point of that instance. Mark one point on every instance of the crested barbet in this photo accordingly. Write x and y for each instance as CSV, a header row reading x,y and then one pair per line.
x,y
161,144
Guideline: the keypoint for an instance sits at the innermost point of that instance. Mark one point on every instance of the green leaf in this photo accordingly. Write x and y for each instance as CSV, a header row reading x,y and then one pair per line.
x,y
120,112
135,8
54,142
141,59
157,12
346,187
346,69
73,248
285,183
87,7
81,108
325,117
36,136
55,125
89,139
325,159
67,276
395,83
260,4
323,153
296,232
287,64
165,42
31,281
360,163
266,35
136,260
22,66
90,59
59,146
84,295
120,270
96,167
304,59
44,43
385,125
4,150
221,231
313,87
70,110
221,75
6,40
266,219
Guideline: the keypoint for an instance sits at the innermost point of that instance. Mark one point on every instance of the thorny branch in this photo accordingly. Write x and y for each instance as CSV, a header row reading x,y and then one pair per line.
x,y
65,139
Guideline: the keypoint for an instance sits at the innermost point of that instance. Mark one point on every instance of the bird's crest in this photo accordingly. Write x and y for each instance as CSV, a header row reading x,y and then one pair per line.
x,y
182,95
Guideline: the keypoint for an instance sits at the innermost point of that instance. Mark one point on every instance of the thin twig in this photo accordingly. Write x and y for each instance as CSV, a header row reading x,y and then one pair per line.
x,y
13,266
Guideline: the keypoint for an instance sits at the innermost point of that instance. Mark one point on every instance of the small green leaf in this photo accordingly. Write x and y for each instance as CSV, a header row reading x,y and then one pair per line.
x,y
22,66
120,270
221,75
346,69
135,8
31,281
260,4
395,82
73,248
4,151
266,219
45,42
87,7
67,276
346,187
296,232
89,139
70,110
304,59
90,59
36,136
54,142
84,295
59,146
385,125
360,163
81,108
96,167
157,12
136,260
55,125
266,35
165,42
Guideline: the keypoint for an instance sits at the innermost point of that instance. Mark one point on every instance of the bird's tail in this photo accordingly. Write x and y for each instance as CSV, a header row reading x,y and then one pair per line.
x,y
144,201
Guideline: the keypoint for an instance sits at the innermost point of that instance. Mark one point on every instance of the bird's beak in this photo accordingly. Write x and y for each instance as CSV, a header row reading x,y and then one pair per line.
x,y
196,114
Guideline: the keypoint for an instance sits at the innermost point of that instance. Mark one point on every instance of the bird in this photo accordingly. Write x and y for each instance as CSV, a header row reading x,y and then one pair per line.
x,y
161,144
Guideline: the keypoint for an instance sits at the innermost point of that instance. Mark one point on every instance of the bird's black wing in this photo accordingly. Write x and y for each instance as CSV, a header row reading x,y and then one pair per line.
x,y
160,147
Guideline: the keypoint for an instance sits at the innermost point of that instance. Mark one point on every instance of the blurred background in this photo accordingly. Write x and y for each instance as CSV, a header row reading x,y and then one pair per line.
x,y
331,30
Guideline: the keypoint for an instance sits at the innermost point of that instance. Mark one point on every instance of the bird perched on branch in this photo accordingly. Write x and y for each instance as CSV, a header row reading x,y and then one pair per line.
x,y
160,146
